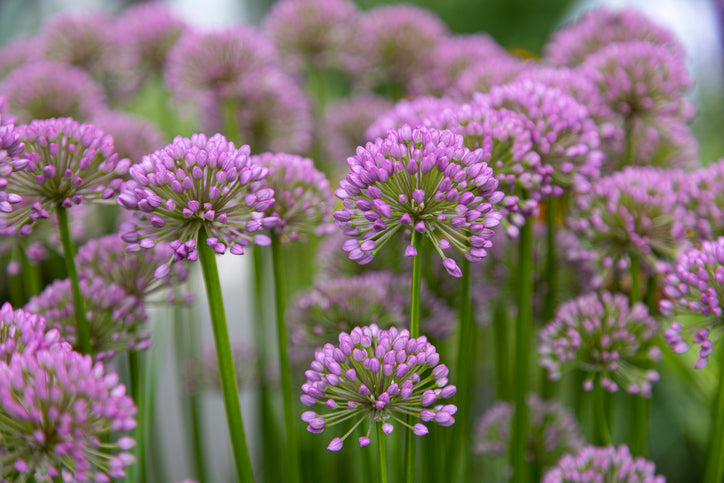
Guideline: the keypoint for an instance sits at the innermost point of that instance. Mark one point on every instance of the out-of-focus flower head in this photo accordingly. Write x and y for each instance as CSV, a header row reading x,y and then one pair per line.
x,y
377,375
419,183
133,136
18,51
705,200
606,338
63,417
484,75
610,464
412,112
116,320
24,333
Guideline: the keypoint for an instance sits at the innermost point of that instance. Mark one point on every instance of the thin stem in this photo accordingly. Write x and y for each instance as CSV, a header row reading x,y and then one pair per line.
x,y
522,353
502,356
635,279
410,449
69,255
229,388
641,416
31,275
136,385
603,433
292,465
551,272
715,455
383,455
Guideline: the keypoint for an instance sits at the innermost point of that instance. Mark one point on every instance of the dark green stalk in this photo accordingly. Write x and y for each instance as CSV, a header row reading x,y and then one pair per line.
x,y
383,455
602,430
83,334
414,332
137,393
231,124
31,275
292,463
715,453
522,353
635,295
227,374
502,356
551,272
641,416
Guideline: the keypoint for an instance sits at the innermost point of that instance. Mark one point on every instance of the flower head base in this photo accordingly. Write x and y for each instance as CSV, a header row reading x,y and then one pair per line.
x,y
304,198
64,164
609,464
380,375
193,184
420,182
114,318
600,334
57,408
696,287
24,332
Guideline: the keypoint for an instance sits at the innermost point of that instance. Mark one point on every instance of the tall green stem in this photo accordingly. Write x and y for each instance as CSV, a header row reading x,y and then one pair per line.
x,y
603,432
137,393
522,352
551,272
69,255
229,389
715,454
410,449
502,356
635,279
641,406
382,453
292,464
31,275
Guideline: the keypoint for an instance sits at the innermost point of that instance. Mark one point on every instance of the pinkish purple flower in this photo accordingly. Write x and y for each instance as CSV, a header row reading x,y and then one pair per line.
x,y
705,188
18,51
63,417
606,338
412,112
24,333
418,183
609,464
484,74
133,136
376,375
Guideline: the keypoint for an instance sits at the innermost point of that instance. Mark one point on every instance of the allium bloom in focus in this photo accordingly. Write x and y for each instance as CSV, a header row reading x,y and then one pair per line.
x,y
60,414
116,320
609,464
304,198
377,375
606,338
64,164
193,184
552,431
696,287
133,136
421,183
25,332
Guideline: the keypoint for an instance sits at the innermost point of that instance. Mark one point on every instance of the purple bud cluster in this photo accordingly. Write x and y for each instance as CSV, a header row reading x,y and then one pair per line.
x,y
603,336
193,184
421,182
380,375
58,410
24,333
610,464
695,287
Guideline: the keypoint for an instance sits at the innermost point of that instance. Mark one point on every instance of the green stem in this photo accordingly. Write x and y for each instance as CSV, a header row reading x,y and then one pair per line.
x,y
522,353
635,279
502,356
715,454
410,449
134,375
231,124
292,464
603,433
31,275
229,388
641,416
651,302
551,272
382,453
69,254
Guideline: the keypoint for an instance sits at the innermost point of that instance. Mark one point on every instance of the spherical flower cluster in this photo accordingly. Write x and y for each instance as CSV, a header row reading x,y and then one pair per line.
x,y
18,51
194,184
603,336
483,75
705,188
10,147
412,112
609,464
696,287
202,372
423,182
25,332
133,136
599,28
380,375
115,318
552,432
64,164
304,198
58,410
41,90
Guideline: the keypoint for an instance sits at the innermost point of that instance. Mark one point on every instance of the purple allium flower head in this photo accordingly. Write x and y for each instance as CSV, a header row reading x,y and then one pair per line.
x,y
133,136
412,112
64,163
599,28
421,182
315,34
194,183
609,464
115,318
484,74
696,288
602,335
201,373
553,431
18,51
304,198
59,411
25,332
43,89
377,375
705,188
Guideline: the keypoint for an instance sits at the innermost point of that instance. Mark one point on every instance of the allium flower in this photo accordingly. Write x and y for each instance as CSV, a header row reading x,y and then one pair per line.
x,y
18,51
705,188
64,164
115,318
133,136
696,288
552,431
24,333
423,182
108,259
304,198
42,90
483,75
602,335
380,375
599,28
342,303
58,411
193,184
202,373
10,146
412,112
607,464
